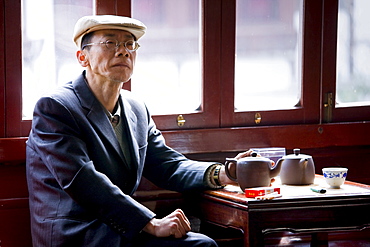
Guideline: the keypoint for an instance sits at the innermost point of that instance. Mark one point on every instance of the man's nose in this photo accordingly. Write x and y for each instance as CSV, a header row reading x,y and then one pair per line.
x,y
121,49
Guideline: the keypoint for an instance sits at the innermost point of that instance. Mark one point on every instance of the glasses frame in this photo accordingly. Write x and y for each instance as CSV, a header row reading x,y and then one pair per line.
x,y
116,46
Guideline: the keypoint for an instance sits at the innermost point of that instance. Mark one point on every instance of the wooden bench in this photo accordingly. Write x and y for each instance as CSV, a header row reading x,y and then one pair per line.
x,y
14,211
14,208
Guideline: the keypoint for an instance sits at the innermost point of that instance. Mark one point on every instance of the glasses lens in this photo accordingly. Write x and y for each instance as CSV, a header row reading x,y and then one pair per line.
x,y
111,44
132,45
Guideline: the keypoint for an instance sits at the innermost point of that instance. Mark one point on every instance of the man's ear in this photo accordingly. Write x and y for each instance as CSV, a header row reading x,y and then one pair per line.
x,y
82,58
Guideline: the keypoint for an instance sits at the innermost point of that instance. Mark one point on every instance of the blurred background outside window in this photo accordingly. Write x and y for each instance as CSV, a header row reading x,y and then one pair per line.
x,y
268,54
168,72
353,53
168,66
48,51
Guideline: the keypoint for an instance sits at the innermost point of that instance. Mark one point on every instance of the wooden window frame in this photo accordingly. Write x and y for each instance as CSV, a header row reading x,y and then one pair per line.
x,y
318,66
308,107
329,71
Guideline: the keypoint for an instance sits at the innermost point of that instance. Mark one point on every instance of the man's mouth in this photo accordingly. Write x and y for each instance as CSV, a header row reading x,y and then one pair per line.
x,y
121,65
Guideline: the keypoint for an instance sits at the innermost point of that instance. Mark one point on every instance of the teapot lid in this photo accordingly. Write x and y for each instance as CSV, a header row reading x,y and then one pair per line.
x,y
297,155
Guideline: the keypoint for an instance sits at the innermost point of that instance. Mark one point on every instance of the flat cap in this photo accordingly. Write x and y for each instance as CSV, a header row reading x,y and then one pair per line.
x,y
91,23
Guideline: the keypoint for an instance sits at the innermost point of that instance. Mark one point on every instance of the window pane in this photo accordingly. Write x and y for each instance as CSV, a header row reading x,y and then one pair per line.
x,y
268,54
48,52
353,53
167,72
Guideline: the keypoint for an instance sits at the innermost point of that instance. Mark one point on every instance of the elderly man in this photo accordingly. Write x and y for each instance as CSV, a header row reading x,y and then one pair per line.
x,y
90,144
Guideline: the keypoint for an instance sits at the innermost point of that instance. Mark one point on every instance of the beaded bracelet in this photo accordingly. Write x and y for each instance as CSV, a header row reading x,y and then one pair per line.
x,y
209,177
216,176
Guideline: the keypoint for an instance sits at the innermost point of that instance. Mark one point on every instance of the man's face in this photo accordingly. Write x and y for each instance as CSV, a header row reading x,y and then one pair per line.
x,y
115,65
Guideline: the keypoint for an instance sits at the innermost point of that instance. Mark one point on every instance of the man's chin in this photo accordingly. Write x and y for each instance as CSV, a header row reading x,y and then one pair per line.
x,y
120,80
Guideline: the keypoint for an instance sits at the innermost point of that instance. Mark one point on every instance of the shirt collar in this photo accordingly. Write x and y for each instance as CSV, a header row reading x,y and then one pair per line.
x,y
116,110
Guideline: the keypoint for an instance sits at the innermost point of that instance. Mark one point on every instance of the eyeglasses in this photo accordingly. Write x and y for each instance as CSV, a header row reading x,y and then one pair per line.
x,y
112,44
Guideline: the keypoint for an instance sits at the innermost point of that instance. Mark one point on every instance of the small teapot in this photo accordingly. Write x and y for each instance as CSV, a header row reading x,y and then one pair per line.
x,y
253,171
297,169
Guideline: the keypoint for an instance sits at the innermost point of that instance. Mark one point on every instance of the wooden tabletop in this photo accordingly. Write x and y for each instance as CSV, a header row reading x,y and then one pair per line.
x,y
298,210
294,193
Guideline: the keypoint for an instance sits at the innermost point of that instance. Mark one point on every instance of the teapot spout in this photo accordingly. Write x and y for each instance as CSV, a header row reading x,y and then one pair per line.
x,y
276,169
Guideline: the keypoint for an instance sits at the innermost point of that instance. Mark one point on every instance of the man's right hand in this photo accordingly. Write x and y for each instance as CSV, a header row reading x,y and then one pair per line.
x,y
175,224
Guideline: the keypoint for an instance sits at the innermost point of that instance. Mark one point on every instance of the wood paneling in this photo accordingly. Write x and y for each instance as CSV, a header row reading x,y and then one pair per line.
x,y
15,230
13,150
293,136
2,70
346,144
113,7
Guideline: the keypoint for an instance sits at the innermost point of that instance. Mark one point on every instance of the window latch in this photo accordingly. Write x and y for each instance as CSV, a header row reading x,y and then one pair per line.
x,y
180,121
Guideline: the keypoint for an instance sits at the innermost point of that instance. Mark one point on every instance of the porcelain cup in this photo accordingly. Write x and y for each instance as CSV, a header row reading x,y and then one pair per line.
x,y
335,176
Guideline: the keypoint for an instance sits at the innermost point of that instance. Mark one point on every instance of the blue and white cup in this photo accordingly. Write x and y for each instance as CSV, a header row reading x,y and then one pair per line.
x,y
335,176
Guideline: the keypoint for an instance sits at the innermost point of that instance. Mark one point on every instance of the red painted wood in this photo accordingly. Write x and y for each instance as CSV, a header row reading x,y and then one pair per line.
x,y
13,181
329,49
239,139
15,230
311,67
228,63
305,213
293,136
13,66
124,7
106,7
12,149
113,7
2,70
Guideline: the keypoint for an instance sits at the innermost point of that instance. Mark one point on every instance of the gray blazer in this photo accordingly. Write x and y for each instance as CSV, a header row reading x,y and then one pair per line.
x,y
79,183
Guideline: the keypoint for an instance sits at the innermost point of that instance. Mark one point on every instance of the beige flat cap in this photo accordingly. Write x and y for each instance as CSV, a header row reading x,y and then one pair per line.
x,y
88,24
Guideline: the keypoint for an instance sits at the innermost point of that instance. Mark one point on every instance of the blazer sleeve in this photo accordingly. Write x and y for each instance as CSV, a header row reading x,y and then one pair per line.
x,y
56,139
170,169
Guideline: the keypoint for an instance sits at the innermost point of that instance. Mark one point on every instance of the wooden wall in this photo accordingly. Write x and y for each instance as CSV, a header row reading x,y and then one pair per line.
x,y
345,145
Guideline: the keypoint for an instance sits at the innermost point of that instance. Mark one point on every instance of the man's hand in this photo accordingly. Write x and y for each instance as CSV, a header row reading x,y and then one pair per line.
x,y
175,224
224,179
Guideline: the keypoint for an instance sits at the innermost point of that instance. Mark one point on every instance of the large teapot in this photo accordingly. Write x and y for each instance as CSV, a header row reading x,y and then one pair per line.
x,y
297,169
253,171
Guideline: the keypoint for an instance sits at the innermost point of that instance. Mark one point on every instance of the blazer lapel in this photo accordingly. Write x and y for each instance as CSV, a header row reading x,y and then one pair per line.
x,y
96,115
131,119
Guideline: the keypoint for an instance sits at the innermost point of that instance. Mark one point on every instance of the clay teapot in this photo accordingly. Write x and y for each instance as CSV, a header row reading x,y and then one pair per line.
x,y
253,171
297,169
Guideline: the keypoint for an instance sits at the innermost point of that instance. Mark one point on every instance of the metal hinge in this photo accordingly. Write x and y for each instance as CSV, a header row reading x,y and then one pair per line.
x,y
328,108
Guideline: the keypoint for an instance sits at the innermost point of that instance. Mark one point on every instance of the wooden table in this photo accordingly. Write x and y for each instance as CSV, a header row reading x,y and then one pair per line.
x,y
299,210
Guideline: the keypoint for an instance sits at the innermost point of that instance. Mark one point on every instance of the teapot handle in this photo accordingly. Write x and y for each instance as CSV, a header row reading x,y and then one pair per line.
x,y
228,161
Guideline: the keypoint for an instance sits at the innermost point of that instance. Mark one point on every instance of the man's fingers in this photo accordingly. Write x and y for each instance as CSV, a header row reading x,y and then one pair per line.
x,y
244,154
184,221
175,224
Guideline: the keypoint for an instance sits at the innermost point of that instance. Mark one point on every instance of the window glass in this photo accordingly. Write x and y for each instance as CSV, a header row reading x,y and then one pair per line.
x,y
168,70
268,54
48,52
353,53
